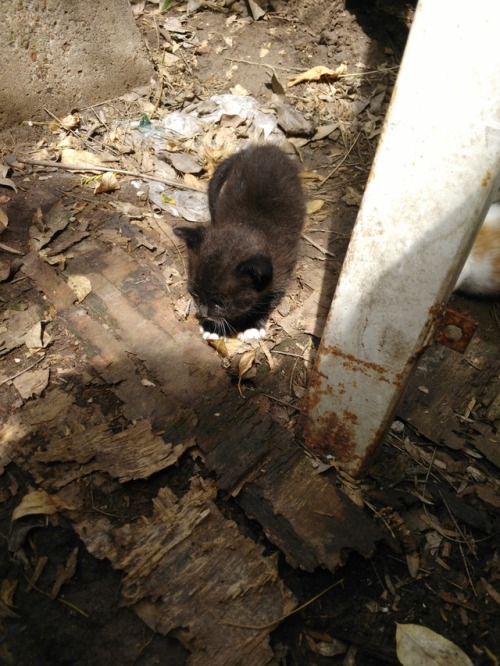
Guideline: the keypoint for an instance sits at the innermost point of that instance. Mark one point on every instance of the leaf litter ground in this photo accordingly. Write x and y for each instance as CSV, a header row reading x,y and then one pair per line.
x,y
136,528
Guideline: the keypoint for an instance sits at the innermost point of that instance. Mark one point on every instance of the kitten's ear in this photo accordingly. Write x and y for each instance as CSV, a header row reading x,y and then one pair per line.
x,y
192,236
259,268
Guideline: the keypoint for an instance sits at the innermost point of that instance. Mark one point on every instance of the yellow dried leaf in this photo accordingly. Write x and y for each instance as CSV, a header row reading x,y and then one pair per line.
x,y
4,220
38,502
419,646
314,206
220,346
81,285
317,73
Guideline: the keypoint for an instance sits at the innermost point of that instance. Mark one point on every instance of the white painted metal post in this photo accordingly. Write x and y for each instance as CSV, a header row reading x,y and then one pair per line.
x,y
435,170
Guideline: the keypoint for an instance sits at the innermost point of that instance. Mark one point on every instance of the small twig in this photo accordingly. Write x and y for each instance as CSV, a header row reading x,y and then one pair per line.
x,y
337,166
263,64
92,167
284,353
386,70
281,402
63,601
7,248
318,246
287,615
21,372
381,518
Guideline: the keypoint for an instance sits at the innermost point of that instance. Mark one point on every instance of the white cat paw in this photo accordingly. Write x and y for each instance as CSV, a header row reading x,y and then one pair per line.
x,y
252,334
207,335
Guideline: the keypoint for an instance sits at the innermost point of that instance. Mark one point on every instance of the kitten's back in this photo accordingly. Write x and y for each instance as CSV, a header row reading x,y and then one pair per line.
x,y
258,187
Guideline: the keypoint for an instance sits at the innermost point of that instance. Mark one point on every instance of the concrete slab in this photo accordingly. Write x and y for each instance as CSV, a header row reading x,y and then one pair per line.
x,y
66,55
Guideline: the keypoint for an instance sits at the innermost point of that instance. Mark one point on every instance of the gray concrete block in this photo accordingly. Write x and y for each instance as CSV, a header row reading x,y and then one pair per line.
x,y
66,54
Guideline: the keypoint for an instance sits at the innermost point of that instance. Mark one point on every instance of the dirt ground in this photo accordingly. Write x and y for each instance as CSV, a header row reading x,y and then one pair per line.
x,y
126,439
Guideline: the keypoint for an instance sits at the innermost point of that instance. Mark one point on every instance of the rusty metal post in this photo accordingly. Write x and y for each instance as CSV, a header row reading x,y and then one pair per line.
x,y
436,168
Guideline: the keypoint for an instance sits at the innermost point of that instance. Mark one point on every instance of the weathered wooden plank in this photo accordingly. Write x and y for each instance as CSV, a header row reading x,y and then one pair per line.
x,y
188,570
302,512
447,397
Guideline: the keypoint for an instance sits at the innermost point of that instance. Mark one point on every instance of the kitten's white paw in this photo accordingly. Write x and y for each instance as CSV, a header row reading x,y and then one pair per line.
x,y
207,335
252,334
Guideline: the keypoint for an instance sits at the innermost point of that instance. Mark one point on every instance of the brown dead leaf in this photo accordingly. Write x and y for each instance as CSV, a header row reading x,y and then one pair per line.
x,y
491,590
7,591
226,347
267,354
107,183
318,73
38,502
244,364
65,572
413,562
7,182
33,382
46,225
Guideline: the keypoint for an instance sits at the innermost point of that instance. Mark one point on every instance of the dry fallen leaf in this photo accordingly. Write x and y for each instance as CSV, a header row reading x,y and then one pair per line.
x,y
32,383
267,354
4,220
419,646
244,364
7,590
65,572
81,285
413,563
38,502
107,183
83,158
314,206
7,182
256,11
317,73
69,122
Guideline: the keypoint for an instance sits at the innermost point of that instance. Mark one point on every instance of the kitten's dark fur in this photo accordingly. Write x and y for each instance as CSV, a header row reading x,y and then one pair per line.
x,y
238,267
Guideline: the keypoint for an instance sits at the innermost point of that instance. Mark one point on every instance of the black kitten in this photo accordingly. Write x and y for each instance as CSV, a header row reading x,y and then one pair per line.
x,y
238,267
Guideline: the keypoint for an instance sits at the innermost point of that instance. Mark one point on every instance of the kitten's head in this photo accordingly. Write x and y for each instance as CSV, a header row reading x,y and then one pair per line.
x,y
228,272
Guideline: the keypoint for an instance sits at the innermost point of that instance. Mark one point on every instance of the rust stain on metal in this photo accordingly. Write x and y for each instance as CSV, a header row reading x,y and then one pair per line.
x,y
334,435
357,364
455,330
486,179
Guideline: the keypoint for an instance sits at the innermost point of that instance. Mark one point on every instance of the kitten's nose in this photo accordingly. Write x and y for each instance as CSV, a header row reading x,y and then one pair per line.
x,y
203,310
